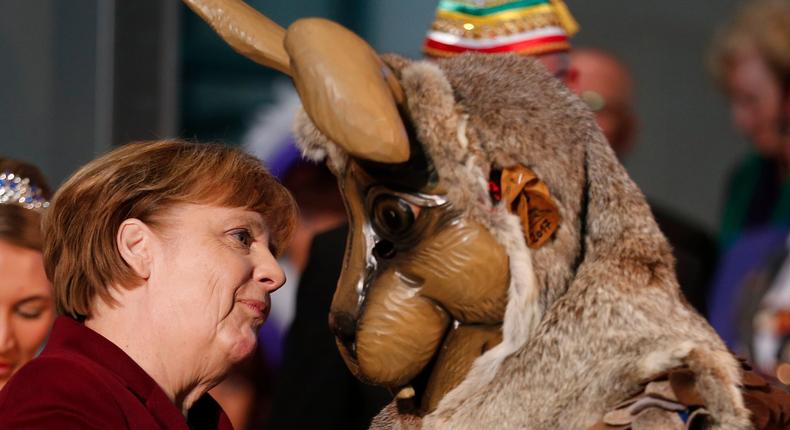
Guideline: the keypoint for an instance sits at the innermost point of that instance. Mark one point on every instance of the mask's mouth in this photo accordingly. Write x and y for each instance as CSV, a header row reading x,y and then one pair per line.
x,y
411,395
409,390
348,350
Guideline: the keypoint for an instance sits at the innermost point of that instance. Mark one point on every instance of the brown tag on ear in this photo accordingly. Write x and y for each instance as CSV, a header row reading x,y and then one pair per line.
x,y
528,197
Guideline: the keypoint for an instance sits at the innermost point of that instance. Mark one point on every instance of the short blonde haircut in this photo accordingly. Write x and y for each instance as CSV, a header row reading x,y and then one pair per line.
x,y
759,25
141,180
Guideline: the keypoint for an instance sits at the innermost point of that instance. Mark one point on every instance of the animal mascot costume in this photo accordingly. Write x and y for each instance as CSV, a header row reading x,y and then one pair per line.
x,y
502,270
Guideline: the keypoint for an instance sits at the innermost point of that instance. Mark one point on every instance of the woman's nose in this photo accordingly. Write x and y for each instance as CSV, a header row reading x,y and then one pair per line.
x,y
743,118
7,337
268,272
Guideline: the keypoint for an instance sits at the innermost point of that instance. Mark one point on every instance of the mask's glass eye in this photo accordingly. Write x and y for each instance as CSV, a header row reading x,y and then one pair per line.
x,y
392,216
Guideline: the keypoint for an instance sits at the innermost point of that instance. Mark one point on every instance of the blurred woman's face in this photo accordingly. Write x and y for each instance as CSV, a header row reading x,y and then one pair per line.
x,y
213,271
755,103
26,307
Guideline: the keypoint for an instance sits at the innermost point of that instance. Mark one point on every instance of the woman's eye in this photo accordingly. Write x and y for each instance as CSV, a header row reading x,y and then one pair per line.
x,y
30,312
392,216
243,237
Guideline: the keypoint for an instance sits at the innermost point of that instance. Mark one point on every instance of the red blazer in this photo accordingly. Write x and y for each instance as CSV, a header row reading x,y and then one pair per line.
x,y
83,381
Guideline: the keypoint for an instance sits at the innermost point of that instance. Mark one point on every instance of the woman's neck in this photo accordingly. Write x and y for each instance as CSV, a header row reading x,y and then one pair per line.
x,y
160,358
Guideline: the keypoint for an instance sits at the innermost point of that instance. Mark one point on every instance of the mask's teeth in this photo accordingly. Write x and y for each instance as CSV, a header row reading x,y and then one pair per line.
x,y
406,392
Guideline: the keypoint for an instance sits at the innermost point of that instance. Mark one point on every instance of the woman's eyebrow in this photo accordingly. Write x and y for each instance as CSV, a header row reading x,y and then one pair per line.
x,y
257,226
248,220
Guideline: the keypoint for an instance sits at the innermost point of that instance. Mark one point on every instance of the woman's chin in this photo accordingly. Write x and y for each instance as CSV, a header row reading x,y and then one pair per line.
x,y
243,345
238,336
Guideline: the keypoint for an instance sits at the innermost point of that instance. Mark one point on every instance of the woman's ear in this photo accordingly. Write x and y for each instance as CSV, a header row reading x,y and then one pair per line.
x,y
134,245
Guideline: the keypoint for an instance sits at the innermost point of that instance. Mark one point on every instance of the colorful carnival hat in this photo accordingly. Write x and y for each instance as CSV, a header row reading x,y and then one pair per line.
x,y
527,27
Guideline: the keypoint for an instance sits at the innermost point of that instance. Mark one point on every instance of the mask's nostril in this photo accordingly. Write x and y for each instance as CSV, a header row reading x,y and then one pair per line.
x,y
384,249
344,327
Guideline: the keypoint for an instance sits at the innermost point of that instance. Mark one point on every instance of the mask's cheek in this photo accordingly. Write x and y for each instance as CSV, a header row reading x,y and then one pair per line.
x,y
399,332
464,269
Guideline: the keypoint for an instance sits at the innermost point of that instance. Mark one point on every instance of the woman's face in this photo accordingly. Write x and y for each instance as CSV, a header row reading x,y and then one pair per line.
x,y
755,103
26,307
212,271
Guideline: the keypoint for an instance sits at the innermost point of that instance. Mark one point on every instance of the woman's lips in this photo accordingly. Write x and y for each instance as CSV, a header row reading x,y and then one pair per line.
x,y
258,307
5,369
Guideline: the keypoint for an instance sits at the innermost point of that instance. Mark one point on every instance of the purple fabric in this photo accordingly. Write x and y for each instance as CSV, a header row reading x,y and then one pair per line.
x,y
271,336
271,342
746,254
284,158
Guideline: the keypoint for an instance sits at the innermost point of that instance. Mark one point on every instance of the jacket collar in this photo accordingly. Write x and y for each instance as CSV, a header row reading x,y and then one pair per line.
x,y
71,336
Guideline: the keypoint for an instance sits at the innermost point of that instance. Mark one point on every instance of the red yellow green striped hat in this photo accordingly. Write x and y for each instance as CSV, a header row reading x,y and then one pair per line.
x,y
527,27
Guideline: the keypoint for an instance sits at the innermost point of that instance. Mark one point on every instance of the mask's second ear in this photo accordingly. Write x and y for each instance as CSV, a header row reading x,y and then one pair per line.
x,y
525,195
621,236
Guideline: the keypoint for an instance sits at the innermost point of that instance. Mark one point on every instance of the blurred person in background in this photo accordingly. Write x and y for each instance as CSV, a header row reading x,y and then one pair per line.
x,y
762,315
750,62
26,306
606,85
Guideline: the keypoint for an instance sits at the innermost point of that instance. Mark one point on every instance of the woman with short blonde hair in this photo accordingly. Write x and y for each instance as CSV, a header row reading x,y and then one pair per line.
x,y
162,260
761,27
750,61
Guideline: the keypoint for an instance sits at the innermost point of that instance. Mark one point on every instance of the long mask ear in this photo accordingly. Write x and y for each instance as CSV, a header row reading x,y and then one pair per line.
x,y
248,32
349,94
347,91
621,233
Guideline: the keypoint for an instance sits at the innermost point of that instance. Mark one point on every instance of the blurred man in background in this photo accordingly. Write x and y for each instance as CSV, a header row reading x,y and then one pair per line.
x,y
606,85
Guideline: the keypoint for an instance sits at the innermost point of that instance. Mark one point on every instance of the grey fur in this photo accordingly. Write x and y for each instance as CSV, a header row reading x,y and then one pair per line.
x,y
595,311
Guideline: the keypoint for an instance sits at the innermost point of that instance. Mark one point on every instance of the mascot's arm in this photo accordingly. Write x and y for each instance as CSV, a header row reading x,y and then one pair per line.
x,y
670,400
